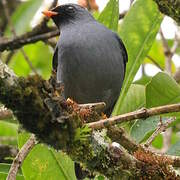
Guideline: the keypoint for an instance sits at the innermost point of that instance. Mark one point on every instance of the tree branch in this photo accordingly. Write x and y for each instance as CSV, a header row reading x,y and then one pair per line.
x,y
170,8
62,124
140,114
117,134
20,158
39,33
28,38
161,128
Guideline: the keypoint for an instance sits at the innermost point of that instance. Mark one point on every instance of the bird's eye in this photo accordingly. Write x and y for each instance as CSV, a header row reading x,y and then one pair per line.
x,y
70,9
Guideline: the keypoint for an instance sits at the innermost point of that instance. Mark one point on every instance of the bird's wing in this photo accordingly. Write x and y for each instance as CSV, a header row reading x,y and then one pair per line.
x,y
55,58
124,52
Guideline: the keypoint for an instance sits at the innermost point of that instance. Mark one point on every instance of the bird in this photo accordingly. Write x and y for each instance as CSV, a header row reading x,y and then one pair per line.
x,y
90,59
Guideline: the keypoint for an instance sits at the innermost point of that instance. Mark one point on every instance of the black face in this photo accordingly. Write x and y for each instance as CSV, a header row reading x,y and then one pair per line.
x,y
70,13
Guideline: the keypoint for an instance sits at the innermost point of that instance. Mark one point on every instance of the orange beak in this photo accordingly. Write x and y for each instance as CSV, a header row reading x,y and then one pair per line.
x,y
49,13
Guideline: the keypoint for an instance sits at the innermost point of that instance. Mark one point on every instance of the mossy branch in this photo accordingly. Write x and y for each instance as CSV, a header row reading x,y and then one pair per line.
x,y
60,123
40,108
170,8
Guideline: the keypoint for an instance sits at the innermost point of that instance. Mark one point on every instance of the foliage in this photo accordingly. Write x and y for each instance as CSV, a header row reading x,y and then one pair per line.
x,y
138,31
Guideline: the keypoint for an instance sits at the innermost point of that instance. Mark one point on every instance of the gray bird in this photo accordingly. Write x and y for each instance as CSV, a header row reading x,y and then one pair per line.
x,y
90,59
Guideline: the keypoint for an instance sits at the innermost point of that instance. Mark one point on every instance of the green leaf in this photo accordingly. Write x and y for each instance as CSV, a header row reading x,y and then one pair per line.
x,y
44,163
174,149
138,32
110,15
82,133
8,132
175,135
162,90
23,15
3,176
157,54
40,56
144,80
4,169
142,128
8,129
135,99
158,142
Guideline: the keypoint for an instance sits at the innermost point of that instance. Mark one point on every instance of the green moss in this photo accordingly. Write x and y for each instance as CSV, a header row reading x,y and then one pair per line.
x,y
26,99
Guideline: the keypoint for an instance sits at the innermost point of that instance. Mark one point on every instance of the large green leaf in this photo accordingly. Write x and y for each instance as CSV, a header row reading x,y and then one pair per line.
x,y
44,163
158,142
144,80
162,90
142,128
157,54
135,99
40,56
110,15
23,15
138,32
174,149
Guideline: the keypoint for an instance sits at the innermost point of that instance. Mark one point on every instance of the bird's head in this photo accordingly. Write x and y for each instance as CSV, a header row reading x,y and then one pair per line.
x,y
68,13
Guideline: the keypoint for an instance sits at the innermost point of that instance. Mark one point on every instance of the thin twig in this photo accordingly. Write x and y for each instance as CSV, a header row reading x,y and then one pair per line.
x,y
161,128
173,49
131,2
177,75
168,52
9,57
28,38
24,151
28,60
142,113
39,33
95,106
